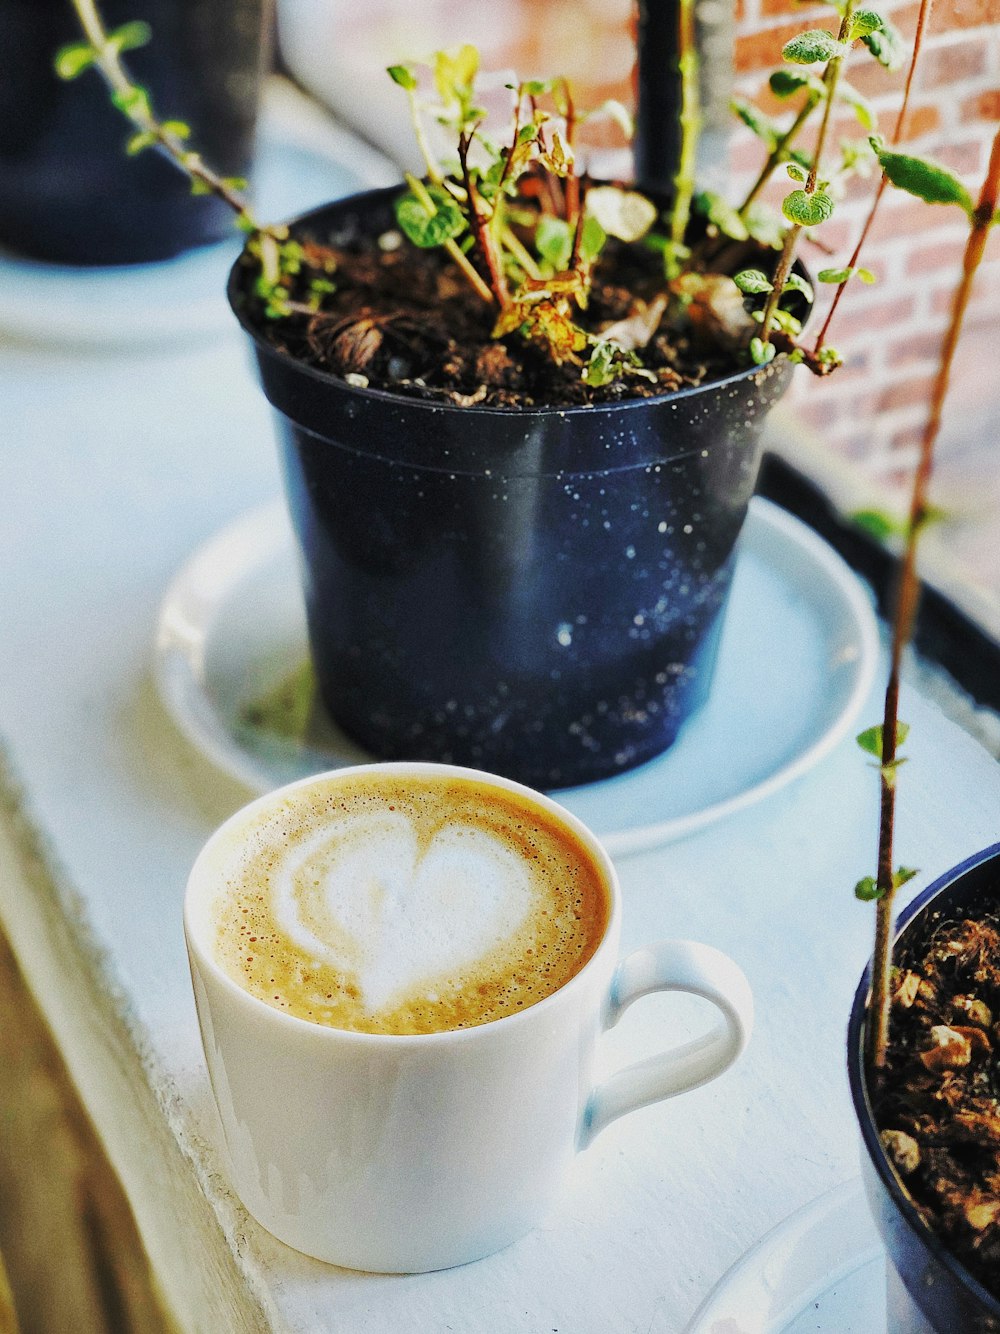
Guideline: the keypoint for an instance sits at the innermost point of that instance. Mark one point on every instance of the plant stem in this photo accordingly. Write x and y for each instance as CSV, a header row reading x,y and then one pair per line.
x,y
481,230
571,192
780,277
434,172
831,76
779,152
907,596
922,19
115,75
520,253
574,259
421,192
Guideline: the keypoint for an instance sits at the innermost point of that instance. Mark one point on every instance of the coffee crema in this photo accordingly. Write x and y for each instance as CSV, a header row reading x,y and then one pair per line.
x,y
406,904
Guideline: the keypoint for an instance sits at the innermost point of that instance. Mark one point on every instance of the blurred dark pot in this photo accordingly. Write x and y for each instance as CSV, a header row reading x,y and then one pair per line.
x,y
535,592
943,1292
68,191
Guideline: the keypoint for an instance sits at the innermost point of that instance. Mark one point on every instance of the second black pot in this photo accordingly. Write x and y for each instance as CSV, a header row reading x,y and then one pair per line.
x,y
534,592
938,1292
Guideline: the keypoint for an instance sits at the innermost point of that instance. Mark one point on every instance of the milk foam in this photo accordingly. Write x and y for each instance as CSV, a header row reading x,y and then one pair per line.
x,y
365,897
391,904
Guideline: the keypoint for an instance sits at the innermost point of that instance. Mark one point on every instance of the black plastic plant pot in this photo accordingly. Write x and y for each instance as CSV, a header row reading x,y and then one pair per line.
x,y
534,592
69,193
937,1292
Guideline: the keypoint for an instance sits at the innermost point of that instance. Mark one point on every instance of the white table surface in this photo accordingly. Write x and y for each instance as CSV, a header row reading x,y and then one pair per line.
x,y
113,468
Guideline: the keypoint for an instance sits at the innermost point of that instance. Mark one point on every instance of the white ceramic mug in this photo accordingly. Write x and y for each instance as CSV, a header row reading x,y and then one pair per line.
x,y
416,1152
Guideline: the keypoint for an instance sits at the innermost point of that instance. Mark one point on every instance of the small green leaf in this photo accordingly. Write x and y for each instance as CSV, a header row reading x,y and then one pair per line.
x,y
917,176
867,890
199,187
237,183
870,740
863,23
600,369
428,230
787,82
138,142
809,48
887,46
454,74
178,128
133,102
291,257
877,524
131,36
807,210
752,282
592,240
675,256
754,119
839,276
861,107
761,352
403,75
537,87
796,283
902,875
554,241
721,214
796,172
787,322
72,60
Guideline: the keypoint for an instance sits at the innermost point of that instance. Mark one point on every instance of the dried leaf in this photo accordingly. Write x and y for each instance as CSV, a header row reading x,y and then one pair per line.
x,y
622,213
636,330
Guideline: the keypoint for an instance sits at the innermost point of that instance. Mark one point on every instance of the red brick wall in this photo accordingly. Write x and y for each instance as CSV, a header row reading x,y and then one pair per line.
x,y
890,333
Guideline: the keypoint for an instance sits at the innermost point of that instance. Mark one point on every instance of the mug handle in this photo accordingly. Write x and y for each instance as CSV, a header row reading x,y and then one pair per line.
x,y
672,965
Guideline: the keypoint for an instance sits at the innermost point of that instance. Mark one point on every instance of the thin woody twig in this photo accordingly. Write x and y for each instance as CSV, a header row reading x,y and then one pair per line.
x,y
852,264
907,597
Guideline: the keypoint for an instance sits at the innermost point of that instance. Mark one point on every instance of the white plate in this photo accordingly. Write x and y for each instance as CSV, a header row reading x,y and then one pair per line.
x,y
796,662
822,1270
303,160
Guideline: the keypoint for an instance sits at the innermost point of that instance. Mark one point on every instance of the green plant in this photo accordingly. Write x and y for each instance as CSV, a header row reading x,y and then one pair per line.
x,y
526,228
883,742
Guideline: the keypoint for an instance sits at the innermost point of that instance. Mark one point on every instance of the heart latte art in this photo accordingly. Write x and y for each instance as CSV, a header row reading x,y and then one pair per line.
x,y
407,905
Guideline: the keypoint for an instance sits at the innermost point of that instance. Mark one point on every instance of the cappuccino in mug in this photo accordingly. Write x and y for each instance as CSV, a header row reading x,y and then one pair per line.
x,y
398,908
406,903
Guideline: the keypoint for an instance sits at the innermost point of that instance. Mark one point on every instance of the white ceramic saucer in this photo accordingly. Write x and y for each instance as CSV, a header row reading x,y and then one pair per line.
x,y
796,662
303,160
821,1271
